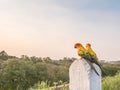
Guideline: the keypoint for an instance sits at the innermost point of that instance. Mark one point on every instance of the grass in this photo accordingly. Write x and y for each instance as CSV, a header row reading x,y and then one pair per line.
x,y
111,83
45,86
108,83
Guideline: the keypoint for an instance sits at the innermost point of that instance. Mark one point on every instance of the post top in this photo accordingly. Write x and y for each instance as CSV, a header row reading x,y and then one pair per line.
x,y
82,77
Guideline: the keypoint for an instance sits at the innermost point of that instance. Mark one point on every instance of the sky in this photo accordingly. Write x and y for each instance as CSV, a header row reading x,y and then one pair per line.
x,y
50,28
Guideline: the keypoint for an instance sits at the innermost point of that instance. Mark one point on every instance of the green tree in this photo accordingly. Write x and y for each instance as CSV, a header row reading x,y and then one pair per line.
x,y
41,71
17,75
3,55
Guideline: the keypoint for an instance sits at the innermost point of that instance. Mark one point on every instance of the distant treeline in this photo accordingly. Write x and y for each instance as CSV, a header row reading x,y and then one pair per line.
x,y
25,72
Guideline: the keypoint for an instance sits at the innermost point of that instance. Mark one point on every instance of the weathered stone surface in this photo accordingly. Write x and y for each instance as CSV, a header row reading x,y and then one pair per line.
x,y
82,77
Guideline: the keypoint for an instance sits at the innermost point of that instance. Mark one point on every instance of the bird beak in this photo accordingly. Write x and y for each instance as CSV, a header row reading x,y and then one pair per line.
x,y
75,47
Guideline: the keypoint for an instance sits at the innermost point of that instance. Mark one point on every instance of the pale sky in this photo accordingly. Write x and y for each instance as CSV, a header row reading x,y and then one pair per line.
x,y
50,28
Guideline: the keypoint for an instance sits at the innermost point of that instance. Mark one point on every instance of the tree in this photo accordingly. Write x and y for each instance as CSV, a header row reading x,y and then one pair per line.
x,y
3,55
41,71
17,75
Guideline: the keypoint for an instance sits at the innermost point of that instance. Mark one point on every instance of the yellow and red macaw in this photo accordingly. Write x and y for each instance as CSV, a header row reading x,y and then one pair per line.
x,y
92,53
84,54
94,56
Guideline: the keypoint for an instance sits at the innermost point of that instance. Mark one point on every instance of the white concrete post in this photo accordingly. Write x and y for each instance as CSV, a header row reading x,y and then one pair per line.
x,y
82,77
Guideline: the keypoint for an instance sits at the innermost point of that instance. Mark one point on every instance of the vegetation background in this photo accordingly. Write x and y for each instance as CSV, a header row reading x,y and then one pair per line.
x,y
35,73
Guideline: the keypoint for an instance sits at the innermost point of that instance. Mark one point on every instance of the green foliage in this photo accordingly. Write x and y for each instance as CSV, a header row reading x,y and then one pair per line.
x,y
17,75
41,71
3,55
111,83
43,85
111,69
25,72
46,86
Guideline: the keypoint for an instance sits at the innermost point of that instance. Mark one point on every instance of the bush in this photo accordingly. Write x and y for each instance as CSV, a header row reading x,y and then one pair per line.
x,y
17,75
111,83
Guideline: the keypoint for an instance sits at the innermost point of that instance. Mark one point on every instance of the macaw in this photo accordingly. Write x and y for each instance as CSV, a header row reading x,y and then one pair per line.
x,y
94,56
92,53
84,54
